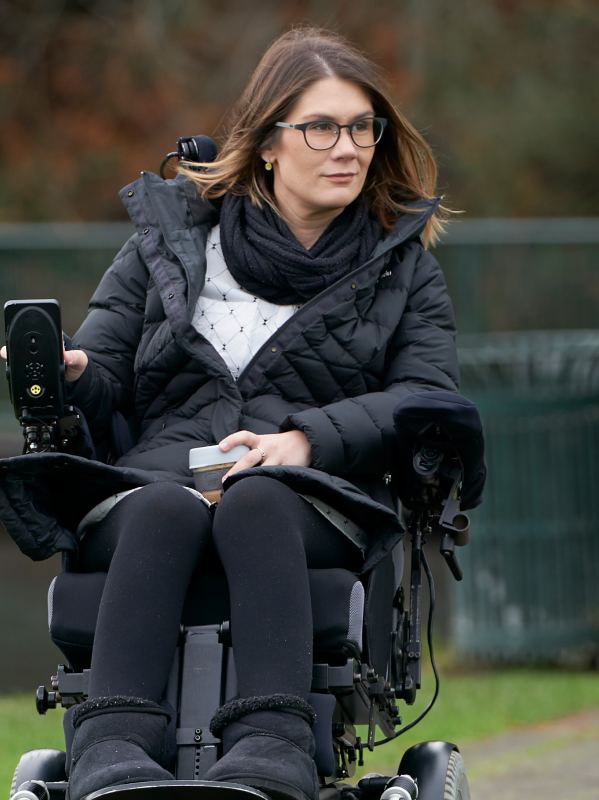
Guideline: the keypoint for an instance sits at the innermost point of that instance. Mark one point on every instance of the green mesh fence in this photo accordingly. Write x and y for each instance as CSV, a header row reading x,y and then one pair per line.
x,y
531,570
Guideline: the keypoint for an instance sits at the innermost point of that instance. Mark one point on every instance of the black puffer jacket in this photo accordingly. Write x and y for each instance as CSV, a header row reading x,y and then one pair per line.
x,y
335,370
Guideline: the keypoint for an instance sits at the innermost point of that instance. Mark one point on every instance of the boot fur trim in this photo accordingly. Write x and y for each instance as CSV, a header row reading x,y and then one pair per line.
x,y
236,709
108,705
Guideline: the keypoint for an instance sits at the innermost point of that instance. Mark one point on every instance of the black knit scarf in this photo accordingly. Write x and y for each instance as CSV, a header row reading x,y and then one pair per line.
x,y
268,261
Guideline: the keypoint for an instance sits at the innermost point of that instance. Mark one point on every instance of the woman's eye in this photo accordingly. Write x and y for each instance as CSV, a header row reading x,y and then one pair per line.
x,y
362,125
322,127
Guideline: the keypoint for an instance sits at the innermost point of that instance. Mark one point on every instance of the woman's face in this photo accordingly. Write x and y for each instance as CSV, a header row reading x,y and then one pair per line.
x,y
310,182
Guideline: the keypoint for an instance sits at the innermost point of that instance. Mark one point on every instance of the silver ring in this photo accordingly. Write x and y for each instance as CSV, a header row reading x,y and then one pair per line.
x,y
263,454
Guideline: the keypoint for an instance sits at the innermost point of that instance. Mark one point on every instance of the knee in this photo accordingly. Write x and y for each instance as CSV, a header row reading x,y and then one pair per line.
x,y
250,504
254,494
164,508
165,500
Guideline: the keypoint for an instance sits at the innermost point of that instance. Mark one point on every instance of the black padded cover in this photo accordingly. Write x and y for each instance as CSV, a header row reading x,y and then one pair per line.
x,y
416,418
73,604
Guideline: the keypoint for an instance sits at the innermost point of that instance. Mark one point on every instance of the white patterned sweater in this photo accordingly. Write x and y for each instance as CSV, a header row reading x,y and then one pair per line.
x,y
235,322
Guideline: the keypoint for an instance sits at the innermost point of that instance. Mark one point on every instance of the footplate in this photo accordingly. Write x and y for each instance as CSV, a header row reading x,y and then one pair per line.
x,y
178,790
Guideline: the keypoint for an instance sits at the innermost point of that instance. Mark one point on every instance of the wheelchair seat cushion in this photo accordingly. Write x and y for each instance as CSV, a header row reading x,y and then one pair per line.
x,y
337,609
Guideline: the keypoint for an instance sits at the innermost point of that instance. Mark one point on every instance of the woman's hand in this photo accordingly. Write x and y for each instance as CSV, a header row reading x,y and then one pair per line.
x,y
280,448
75,363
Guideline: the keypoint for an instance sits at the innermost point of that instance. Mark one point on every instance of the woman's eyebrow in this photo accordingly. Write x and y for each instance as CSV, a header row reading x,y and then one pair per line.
x,y
363,114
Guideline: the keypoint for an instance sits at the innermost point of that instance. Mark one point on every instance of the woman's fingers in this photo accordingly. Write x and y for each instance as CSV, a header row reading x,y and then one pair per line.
x,y
240,437
251,459
3,352
75,362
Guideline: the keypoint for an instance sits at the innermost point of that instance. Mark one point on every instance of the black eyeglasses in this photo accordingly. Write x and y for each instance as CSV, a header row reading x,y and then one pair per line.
x,y
324,134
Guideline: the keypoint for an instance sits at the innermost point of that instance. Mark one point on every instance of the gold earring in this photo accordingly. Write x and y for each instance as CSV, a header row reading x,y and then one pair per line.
x,y
268,166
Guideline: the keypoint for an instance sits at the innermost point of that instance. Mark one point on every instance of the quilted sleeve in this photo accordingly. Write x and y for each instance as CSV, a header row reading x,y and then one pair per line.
x,y
110,336
355,436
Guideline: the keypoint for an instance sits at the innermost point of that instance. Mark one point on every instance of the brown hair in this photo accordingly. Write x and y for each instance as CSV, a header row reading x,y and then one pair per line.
x,y
402,169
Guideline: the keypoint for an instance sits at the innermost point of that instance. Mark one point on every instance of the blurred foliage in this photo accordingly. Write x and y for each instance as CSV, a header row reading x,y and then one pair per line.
x,y
93,91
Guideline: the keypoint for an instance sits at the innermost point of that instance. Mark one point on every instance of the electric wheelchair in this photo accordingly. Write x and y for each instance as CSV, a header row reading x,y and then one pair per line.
x,y
367,634
367,640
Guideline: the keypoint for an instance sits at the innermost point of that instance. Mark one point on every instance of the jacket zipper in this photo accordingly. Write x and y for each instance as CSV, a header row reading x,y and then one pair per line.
x,y
225,372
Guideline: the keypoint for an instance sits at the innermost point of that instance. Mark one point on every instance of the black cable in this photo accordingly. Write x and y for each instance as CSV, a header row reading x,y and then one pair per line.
x,y
163,165
42,426
429,637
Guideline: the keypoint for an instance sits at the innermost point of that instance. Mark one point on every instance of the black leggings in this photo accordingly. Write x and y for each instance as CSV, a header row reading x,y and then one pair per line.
x,y
152,542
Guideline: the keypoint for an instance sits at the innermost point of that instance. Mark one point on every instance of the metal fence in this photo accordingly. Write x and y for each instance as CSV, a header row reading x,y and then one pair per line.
x,y
532,567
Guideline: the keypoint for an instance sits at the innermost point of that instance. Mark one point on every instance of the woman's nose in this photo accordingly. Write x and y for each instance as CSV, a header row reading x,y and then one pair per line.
x,y
344,147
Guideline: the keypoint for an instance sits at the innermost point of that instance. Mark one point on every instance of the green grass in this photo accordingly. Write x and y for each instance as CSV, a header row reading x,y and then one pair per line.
x,y
470,707
22,729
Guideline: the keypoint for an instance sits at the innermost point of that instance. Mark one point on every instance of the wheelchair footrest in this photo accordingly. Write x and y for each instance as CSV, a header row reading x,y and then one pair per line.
x,y
178,790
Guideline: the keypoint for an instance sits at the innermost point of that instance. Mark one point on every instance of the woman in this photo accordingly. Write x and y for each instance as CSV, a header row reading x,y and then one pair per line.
x,y
280,298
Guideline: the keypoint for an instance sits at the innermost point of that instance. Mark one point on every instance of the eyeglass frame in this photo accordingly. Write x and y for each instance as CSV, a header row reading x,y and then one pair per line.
x,y
303,126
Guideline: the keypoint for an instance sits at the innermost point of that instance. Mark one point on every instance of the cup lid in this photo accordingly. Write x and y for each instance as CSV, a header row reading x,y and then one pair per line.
x,y
212,455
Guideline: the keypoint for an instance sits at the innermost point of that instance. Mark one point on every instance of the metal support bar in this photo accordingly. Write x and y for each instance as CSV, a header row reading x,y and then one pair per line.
x,y
202,681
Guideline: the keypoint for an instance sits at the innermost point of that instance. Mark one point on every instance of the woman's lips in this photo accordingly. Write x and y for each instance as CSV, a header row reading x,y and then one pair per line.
x,y
341,177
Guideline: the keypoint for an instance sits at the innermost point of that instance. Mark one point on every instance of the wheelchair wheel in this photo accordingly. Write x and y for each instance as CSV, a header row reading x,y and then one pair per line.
x,y
456,782
45,765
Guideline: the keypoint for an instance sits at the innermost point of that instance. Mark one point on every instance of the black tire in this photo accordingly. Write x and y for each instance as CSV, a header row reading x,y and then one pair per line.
x,y
45,765
456,782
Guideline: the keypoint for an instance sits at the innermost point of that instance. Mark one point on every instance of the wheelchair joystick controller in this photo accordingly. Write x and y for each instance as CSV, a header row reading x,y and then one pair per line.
x,y
35,371
426,464
403,787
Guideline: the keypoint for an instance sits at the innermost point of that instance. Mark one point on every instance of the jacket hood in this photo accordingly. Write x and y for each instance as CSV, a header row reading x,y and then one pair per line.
x,y
410,225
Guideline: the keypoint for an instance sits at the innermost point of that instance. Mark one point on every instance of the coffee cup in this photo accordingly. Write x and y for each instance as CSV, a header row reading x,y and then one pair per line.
x,y
209,466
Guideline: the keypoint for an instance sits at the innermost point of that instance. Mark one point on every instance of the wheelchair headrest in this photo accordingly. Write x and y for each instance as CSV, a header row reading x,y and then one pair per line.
x,y
446,421
196,148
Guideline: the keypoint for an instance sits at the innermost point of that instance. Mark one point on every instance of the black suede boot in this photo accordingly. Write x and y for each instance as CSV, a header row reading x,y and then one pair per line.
x,y
117,740
267,744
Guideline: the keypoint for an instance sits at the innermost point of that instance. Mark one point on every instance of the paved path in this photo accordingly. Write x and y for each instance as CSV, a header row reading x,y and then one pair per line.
x,y
547,761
